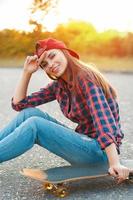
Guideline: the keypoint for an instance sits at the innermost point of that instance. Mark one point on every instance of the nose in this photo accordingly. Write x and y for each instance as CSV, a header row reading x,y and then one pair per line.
x,y
50,64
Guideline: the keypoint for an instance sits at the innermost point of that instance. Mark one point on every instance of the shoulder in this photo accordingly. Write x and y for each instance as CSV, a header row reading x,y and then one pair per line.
x,y
84,80
88,88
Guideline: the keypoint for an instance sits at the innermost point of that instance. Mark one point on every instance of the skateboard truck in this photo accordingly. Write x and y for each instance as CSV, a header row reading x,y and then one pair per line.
x,y
130,178
55,179
60,190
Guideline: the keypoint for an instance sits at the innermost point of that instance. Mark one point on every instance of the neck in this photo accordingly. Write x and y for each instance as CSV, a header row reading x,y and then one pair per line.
x,y
66,75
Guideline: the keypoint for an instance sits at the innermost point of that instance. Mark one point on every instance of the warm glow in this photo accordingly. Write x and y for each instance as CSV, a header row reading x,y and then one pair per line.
x,y
103,14
15,14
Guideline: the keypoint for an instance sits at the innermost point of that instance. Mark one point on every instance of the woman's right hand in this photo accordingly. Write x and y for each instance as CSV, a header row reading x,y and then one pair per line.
x,y
31,64
120,172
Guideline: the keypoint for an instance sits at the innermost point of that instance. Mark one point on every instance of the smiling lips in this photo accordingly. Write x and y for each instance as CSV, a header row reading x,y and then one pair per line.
x,y
55,69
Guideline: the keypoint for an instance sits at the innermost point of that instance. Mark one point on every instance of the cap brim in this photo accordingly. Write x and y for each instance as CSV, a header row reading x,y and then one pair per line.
x,y
73,53
40,50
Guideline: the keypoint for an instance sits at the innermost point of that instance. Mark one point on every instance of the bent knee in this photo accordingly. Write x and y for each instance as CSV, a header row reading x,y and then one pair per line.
x,y
29,112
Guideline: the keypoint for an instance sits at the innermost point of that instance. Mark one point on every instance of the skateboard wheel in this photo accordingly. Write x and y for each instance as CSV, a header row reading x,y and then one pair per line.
x,y
131,177
61,192
48,186
131,180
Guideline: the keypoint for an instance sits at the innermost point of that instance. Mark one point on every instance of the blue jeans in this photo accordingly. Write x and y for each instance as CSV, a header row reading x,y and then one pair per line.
x,y
32,126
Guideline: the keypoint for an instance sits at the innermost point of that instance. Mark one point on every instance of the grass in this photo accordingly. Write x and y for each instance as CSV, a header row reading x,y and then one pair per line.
x,y
103,63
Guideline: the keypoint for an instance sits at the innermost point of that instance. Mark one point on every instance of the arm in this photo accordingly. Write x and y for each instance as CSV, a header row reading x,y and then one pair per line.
x,y
22,86
106,127
115,168
20,99
30,66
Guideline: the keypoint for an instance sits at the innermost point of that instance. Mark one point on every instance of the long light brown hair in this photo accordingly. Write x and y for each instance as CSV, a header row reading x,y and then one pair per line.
x,y
91,72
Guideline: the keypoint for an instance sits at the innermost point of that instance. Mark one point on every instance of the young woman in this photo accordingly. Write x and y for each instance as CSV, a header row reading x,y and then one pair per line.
x,y
85,97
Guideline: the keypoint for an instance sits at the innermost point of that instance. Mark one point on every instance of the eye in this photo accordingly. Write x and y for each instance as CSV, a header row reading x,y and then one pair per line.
x,y
43,64
52,55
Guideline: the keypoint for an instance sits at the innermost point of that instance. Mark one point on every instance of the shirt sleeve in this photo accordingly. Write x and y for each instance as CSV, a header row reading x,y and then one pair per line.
x,y
42,96
101,113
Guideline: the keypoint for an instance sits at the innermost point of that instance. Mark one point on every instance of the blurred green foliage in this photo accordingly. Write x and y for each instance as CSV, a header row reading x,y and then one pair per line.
x,y
78,35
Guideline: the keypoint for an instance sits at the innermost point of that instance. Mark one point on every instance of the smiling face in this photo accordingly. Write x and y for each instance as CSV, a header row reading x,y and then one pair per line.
x,y
54,63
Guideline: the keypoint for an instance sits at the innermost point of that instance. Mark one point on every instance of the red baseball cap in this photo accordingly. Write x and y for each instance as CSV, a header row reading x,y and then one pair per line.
x,y
51,43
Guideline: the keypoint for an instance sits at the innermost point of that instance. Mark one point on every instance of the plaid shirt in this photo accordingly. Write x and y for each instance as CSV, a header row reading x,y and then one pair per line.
x,y
95,115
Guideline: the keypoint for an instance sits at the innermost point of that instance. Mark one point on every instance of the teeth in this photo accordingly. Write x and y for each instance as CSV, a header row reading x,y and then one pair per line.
x,y
55,67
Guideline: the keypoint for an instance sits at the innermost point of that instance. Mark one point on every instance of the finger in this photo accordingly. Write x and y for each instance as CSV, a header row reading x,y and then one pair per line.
x,y
120,180
121,173
42,57
27,58
125,173
35,57
113,173
32,58
123,176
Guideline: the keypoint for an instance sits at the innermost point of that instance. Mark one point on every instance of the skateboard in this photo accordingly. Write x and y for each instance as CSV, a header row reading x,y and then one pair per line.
x,y
55,179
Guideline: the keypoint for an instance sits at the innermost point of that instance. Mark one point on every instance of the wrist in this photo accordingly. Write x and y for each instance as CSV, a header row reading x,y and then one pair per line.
x,y
113,164
27,73
112,154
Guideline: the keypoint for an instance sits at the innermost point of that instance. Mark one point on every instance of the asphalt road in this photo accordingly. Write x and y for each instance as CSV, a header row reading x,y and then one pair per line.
x,y
14,186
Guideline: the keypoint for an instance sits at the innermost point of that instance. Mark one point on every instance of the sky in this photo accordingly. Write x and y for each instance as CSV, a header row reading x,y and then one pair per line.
x,y
103,14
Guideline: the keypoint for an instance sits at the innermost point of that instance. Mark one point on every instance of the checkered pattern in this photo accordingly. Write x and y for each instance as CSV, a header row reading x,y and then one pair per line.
x,y
95,115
